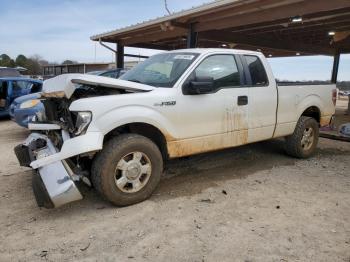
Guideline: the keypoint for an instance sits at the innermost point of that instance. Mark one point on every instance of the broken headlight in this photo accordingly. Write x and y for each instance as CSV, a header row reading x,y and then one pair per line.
x,y
82,122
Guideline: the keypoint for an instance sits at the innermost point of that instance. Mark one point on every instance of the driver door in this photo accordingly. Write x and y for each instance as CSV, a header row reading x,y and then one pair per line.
x,y
207,121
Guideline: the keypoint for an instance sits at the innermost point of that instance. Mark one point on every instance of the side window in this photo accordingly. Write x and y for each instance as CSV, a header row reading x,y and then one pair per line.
x,y
20,85
257,70
36,88
222,68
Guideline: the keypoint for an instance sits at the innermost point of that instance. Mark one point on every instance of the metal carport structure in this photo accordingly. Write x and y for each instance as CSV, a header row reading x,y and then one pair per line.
x,y
275,27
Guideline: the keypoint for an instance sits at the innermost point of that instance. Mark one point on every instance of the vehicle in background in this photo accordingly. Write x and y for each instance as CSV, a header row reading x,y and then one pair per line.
x,y
113,73
9,72
24,108
13,87
117,133
344,93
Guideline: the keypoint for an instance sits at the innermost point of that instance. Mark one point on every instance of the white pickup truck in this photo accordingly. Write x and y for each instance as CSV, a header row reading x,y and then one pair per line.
x,y
117,133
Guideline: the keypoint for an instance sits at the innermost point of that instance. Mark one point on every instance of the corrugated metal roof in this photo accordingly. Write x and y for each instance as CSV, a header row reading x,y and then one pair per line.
x,y
182,13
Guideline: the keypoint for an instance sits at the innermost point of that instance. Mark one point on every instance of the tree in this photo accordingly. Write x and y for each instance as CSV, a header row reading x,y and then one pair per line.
x,y
43,62
21,60
33,65
69,62
6,61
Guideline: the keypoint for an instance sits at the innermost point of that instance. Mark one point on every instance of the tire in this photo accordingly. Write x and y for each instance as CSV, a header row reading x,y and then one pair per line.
x,y
117,170
296,145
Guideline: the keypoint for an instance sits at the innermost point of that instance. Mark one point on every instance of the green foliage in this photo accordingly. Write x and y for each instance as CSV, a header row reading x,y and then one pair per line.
x,y
21,60
32,64
6,61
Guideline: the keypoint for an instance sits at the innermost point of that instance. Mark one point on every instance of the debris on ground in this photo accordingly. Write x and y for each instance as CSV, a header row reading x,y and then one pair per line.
x,y
86,247
206,200
43,253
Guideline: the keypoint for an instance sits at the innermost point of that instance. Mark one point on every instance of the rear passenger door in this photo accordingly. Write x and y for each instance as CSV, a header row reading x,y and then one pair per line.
x,y
262,99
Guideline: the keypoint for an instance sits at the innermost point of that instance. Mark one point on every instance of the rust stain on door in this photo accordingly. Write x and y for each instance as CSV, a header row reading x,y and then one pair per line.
x,y
234,133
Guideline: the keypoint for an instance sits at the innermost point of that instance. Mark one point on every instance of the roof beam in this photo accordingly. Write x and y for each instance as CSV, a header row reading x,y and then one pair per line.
x,y
152,46
156,36
245,8
276,13
229,37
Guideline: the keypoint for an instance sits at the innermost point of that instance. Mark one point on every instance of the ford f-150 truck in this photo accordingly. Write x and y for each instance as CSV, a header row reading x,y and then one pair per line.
x,y
116,134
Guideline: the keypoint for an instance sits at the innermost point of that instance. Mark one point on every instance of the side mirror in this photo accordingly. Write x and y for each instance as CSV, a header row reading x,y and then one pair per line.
x,y
199,86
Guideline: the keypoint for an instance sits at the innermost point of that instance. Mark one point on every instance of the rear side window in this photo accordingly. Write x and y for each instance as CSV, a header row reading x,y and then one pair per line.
x,y
21,85
222,68
257,71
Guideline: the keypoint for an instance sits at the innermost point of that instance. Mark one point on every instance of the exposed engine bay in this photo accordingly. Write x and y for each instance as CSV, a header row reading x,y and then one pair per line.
x,y
60,92
58,95
57,107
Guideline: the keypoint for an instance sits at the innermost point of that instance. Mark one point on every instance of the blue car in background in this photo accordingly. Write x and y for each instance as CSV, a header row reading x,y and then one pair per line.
x,y
14,87
25,107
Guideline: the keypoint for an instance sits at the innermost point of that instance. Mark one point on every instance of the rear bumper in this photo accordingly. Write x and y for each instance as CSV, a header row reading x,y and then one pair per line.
x,y
53,185
326,120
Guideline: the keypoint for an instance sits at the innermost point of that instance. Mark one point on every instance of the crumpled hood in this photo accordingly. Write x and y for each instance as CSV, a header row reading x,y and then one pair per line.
x,y
69,82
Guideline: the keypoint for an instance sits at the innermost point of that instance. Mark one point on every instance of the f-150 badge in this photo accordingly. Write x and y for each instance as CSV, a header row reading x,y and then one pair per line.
x,y
167,103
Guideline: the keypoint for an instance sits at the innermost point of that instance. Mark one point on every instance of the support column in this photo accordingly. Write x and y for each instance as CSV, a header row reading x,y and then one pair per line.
x,y
192,37
120,56
335,67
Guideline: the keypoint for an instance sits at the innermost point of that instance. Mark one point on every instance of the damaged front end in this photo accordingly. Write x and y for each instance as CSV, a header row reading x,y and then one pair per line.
x,y
53,184
53,150
60,148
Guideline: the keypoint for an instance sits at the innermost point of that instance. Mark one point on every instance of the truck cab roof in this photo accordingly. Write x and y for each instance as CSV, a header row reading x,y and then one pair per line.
x,y
214,50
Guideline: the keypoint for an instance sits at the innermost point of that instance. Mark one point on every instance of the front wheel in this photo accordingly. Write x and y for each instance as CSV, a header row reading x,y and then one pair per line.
x,y
127,170
303,142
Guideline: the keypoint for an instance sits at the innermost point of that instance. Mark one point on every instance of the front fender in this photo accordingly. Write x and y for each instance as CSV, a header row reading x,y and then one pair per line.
x,y
133,114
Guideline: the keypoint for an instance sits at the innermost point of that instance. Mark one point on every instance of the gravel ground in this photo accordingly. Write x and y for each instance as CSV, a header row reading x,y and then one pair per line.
x,y
251,203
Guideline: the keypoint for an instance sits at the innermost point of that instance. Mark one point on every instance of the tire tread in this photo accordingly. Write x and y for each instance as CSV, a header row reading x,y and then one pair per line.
x,y
292,146
111,146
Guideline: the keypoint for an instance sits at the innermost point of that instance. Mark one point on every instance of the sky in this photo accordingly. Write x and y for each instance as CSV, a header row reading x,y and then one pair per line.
x,y
60,29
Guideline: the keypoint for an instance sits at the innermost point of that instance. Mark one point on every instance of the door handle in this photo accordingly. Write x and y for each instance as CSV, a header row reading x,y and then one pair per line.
x,y
242,100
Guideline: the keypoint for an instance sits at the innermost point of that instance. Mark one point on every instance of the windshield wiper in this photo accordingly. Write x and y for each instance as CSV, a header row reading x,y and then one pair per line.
x,y
134,80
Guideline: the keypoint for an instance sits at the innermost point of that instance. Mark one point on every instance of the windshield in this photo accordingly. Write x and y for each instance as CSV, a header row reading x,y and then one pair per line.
x,y
162,70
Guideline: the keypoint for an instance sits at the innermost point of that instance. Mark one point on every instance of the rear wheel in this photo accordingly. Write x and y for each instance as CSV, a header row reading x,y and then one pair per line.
x,y
303,142
127,170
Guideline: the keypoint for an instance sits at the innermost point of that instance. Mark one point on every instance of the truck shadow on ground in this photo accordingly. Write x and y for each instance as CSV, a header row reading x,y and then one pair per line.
x,y
191,175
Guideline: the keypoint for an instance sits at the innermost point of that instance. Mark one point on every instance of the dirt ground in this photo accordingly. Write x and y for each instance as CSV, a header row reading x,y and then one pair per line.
x,y
251,203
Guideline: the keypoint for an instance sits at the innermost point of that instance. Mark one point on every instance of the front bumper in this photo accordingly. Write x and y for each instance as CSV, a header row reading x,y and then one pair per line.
x,y
53,185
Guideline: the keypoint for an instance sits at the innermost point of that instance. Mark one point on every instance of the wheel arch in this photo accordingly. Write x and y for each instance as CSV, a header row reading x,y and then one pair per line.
x,y
145,129
313,112
311,106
